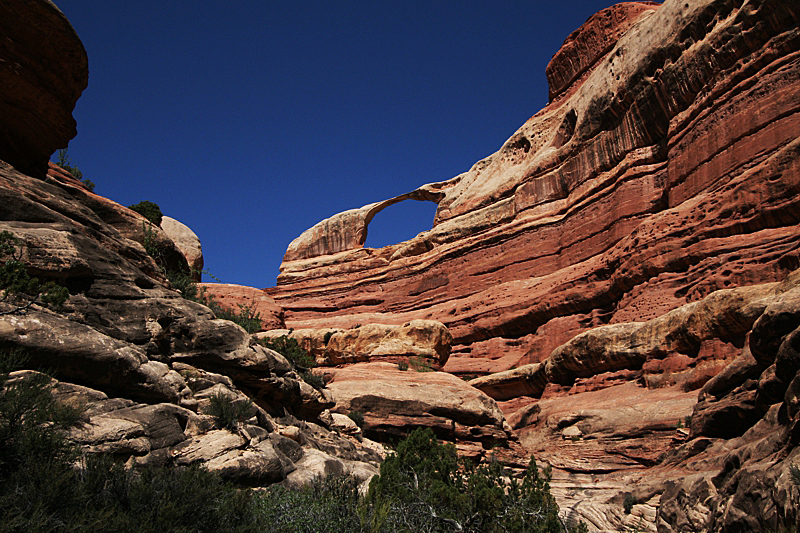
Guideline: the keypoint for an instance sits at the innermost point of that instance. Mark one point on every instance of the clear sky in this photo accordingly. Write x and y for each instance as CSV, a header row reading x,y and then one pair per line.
x,y
252,121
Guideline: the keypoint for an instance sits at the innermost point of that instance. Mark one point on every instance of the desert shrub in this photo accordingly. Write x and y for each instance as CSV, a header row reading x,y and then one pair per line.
x,y
247,317
331,505
64,162
183,283
402,365
17,287
420,364
291,350
687,421
228,412
426,488
148,210
315,380
357,417
628,503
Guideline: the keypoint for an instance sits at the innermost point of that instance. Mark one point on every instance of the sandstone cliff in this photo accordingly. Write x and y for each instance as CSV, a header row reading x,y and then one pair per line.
x,y
618,276
666,167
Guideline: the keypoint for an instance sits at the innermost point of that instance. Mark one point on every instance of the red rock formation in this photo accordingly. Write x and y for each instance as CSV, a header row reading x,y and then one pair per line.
x,y
586,46
43,73
670,171
231,296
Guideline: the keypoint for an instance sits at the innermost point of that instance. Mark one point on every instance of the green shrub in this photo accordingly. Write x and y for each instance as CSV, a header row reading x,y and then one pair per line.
x,y
315,380
291,350
247,317
17,287
227,412
63,162
426,488
331,505
794,472
402,365
628,503
149,210
420,364
357,417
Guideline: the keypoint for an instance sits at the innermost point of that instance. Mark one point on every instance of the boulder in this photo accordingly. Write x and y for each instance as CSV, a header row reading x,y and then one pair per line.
x,y
394,402
426,340
187,242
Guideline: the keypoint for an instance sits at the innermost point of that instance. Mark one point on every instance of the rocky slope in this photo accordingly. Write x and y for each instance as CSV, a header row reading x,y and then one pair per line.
x,y
143,361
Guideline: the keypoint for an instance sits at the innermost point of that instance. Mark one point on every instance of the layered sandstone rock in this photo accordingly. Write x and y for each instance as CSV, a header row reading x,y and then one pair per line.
x,y
232,297
425,339
670,170
43,73
394,402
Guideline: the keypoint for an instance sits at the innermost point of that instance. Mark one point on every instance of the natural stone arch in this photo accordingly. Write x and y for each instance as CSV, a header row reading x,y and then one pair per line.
x,y
348,230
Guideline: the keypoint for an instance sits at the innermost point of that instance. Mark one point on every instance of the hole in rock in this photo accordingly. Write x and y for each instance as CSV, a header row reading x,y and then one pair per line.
x,y
400,222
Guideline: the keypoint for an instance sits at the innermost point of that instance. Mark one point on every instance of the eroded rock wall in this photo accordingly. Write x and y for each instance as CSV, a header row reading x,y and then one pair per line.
x,y
665,170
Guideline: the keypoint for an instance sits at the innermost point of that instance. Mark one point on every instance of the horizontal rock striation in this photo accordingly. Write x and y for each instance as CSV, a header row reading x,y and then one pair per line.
x,y
669,171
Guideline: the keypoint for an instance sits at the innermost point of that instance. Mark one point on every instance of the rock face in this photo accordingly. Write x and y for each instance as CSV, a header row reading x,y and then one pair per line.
x,y
231,296
614,411
394,402
666,167
187,242
43,73
425,339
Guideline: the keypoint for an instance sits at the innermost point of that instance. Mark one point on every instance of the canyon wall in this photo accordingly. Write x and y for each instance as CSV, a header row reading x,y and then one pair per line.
x,y
664,168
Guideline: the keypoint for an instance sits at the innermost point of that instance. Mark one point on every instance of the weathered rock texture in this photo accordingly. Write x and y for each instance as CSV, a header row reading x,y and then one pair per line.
x,y
666,167
187,242
427,340
44,70
231,297
614,412
394,402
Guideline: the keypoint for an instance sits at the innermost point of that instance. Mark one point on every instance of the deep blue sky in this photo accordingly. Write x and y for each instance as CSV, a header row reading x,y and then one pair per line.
x,y
252,121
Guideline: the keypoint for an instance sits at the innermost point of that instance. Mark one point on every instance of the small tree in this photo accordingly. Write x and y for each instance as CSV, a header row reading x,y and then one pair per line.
x,y
63,162
149,210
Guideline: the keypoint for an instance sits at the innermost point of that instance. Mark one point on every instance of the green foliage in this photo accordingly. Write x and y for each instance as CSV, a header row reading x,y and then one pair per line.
x,y
291,350
628,503
183,283
149,210
331,505
420,364
427,489
64,162
357,417
17,287
228,412
402,365
247,317
687,421
422,487
312,379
